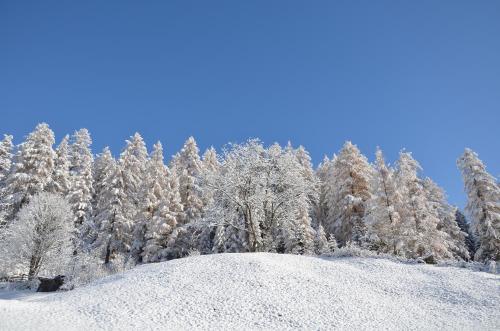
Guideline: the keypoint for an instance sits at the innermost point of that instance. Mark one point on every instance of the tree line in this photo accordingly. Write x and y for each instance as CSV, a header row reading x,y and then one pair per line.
x,y
62,203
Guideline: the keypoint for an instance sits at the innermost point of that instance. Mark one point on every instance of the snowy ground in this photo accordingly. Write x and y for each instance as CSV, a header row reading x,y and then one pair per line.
x,y
267,291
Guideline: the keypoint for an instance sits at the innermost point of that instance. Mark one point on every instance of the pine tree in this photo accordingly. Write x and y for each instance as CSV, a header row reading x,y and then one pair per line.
x,y
114,229
159,216
321,210
382,214
61,178
463,224
455,239
5,156
103,165
133,163
210,161
188,168
420,236
347,194
320,241
483,205
210,166
309,175
5,163
205,234
31,171
80,191
300,235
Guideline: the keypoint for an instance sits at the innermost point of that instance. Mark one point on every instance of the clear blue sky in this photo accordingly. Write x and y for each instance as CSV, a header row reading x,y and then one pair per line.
x,y
424,75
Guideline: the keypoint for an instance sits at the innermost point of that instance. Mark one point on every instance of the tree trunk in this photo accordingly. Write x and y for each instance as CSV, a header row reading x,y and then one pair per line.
x,y
34,267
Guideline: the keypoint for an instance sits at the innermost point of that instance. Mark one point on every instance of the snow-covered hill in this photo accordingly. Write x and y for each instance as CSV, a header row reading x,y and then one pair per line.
x,y
267,291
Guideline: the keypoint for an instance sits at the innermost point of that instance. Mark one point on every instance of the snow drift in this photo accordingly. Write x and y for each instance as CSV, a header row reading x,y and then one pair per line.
x,y
267,291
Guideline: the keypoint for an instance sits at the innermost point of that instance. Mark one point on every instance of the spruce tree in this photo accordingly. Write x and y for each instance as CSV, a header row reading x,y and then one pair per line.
x,y
5,156
382,214
347,193
463,224
188,168
159,218
103,165
114,229
31,171
61,177
80,191
483,205
421,236
133,162
455,238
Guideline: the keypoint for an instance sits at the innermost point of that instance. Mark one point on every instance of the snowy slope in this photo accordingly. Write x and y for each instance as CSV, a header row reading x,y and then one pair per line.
x,y
267,291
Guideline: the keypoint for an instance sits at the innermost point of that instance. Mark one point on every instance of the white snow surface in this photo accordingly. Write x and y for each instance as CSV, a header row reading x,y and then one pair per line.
x,y
263,291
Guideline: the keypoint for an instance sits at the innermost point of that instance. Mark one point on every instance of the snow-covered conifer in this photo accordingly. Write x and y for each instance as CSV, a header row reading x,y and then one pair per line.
x,y
188,169
299,238
463,224
80,191
420,236
5,156
31,171
61,178
483,205
320,241
455,239
103,165
382,209
321,209
159,216
347,194
133,162
114,235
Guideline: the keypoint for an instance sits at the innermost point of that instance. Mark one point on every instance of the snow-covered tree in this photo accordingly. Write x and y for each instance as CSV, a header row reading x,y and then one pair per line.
x,y
80,190
187,166
210,165
39,235
103,165
210,161
5,163
320,241
347,192
114,229
31,171
299,235
5,156
382,209
61,178
321,209
309,175
455,238
463,224
421,236
483,205
160,206
132,174
133,162
257,197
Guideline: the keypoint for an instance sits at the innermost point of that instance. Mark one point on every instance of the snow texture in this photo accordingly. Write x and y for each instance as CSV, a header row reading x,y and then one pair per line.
x,y
267,291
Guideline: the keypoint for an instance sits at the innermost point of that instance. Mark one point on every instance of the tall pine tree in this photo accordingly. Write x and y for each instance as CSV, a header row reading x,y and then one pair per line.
x,y
348,191
31,171
80,190
187,166
483,205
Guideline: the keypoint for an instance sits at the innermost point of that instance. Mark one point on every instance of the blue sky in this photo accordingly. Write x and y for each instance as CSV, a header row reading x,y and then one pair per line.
x,y
424,75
